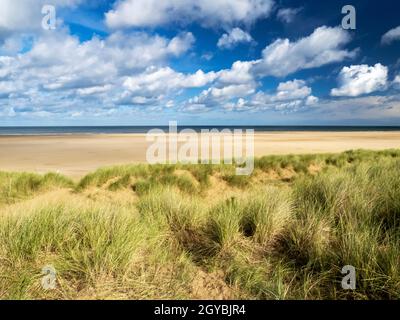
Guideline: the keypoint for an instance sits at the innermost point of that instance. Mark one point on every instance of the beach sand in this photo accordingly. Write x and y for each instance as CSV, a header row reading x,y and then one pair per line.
x,y
76,155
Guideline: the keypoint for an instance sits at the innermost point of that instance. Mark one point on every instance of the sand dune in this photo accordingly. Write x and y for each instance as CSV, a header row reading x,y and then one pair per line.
x,y
75,155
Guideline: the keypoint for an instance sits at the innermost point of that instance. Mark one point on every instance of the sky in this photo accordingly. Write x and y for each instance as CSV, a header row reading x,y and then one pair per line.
x,y
200,62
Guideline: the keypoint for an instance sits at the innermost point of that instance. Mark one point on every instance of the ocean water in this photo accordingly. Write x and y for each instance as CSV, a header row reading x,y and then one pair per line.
x,y
7,131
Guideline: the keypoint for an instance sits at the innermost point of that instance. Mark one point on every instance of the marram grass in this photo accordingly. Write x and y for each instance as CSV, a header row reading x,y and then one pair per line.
x,y
199,232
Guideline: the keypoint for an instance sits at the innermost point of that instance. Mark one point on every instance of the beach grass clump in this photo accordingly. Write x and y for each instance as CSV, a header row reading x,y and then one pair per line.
x,y
17,186
120,183
202,173
341,221
104,175
81,242
223,224
182,218
265,215
269,163
89,246
245,230
167,206
140,178
299,163
261,278
184,182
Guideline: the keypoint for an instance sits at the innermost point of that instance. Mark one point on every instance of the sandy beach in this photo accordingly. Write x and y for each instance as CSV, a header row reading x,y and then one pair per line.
x,y
76,155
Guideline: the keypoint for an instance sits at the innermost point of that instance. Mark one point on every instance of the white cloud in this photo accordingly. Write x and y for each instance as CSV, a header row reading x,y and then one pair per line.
x,y
7,87
233,38
361,79
12,45
396,83
239,73
290,96
295,89
151,13
94,63
311,101
323,46
26,15
61,75
7,112
90,63
231,91
94,90
287,15
372,108
159,81
196,108
6,66
218,96
233,83
391,36
141,50
181,43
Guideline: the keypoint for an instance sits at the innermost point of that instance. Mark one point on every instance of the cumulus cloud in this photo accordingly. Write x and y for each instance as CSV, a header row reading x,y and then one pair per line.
x,y
26,15
361,79
233,83
239,73
287,15
372,108
290,90
155,82
391,36
323,46
294,92
396,83
233,38
217,97
236,88
94,90
96,62
8,87
230,91
61,75
290,96
152,13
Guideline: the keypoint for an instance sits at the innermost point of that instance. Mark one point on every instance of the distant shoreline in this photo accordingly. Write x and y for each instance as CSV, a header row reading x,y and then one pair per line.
x,y
103,130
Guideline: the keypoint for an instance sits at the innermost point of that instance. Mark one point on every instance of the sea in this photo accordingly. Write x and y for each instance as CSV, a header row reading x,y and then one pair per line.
x,y
71,130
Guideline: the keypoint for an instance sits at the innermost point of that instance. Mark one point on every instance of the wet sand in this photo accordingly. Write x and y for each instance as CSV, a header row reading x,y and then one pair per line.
x,y
76,155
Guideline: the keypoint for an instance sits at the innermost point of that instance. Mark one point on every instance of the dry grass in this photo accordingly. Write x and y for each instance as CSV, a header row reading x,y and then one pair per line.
x,y
189,232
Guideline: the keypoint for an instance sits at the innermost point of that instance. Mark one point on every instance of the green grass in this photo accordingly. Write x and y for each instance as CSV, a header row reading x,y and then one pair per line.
x,y
19,186
151,232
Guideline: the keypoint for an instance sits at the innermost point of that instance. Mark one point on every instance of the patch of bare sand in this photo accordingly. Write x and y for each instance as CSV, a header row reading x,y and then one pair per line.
x,y
219,190
206,286
77,155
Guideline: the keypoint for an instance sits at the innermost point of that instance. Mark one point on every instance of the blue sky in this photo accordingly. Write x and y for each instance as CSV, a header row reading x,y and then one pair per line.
x,y
225,62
